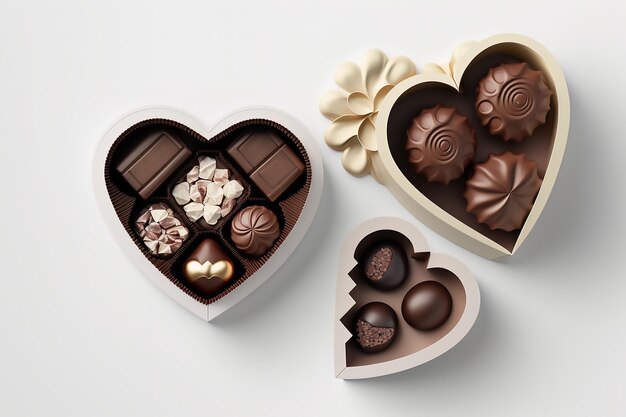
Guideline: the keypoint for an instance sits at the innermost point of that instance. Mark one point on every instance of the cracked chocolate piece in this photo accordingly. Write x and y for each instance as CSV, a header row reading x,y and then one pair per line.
x,y
375,327
160,230
385,265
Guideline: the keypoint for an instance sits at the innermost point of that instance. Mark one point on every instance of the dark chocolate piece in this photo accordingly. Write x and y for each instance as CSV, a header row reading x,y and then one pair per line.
x,y
385,266
502,191
271,164
254,230
427,305
160,230
208,268
376,327
151,161
512,100
441,143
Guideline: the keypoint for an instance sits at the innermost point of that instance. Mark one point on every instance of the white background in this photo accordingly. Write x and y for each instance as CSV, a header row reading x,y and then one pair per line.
x,y
83,333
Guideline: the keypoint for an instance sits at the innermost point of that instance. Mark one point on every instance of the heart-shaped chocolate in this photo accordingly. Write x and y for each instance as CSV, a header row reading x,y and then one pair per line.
x,y
171,190
383,330
471,148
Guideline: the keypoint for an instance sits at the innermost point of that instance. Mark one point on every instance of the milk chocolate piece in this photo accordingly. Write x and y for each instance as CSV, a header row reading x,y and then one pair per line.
x,y
208,268
502,191
512,100
385,266
427,305
151,161
271,164
254,230
375,327
440,144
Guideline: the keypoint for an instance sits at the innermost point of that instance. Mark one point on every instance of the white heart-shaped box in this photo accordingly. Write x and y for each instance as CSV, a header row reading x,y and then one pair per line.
x,y
281,254
348,294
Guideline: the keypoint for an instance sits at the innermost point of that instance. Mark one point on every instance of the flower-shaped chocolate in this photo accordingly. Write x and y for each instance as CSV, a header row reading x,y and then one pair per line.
x,y
353,111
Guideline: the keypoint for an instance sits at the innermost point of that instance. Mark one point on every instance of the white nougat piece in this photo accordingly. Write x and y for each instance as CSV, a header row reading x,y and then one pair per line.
x,y
207,167
194,211
214,194
181,193
220,177
233,189
194,174
211,214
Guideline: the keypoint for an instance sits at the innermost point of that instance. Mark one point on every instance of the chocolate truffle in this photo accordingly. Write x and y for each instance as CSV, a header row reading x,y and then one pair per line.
x,y
427,305
385,265
376,327
502,191
440,144
254,230
208,268
512,100
161,231
151,161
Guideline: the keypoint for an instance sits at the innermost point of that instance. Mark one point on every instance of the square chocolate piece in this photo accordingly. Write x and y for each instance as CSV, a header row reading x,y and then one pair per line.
x,y
269,162
152,161
278,172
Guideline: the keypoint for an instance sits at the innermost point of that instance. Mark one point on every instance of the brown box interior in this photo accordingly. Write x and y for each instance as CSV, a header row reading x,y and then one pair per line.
x,y
128,204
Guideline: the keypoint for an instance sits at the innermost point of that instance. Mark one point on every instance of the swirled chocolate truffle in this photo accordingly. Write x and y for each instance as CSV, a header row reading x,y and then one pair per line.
x,y
502,191
254,230
512,100
427,305
375,327
440,144
385,265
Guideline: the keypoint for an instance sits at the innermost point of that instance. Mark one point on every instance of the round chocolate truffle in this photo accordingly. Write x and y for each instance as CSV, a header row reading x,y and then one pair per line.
x,y
502,191
441,143
385,266
254,230
427,305
376,327
512,100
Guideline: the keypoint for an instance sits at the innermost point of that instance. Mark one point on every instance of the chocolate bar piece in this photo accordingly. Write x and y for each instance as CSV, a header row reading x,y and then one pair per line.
x,y
152,161
271,164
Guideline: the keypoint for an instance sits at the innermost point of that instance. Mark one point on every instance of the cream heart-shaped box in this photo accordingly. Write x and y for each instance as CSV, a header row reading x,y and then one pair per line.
x,y
208,214
434,298
506,93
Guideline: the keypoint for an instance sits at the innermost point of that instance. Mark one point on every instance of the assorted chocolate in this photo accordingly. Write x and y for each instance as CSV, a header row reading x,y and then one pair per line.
x,y
385,266
207,193
208,213
415,307
502,189
479,153
254,230
160,230
270,163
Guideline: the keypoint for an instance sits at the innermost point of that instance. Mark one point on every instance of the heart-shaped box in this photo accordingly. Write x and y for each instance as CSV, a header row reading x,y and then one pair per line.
x,y
297,209
400,96
411,347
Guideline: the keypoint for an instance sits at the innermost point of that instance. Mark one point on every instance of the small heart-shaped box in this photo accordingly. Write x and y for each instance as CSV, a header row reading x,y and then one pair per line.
x,y
471,148
208,214
430,304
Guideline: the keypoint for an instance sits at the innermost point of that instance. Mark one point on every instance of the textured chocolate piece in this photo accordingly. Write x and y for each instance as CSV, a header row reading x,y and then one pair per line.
x,y
161,231
254,230
375,327
207,193
208,268
427,305
271,164
502,191
385,266
441,143
512,100
151,161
